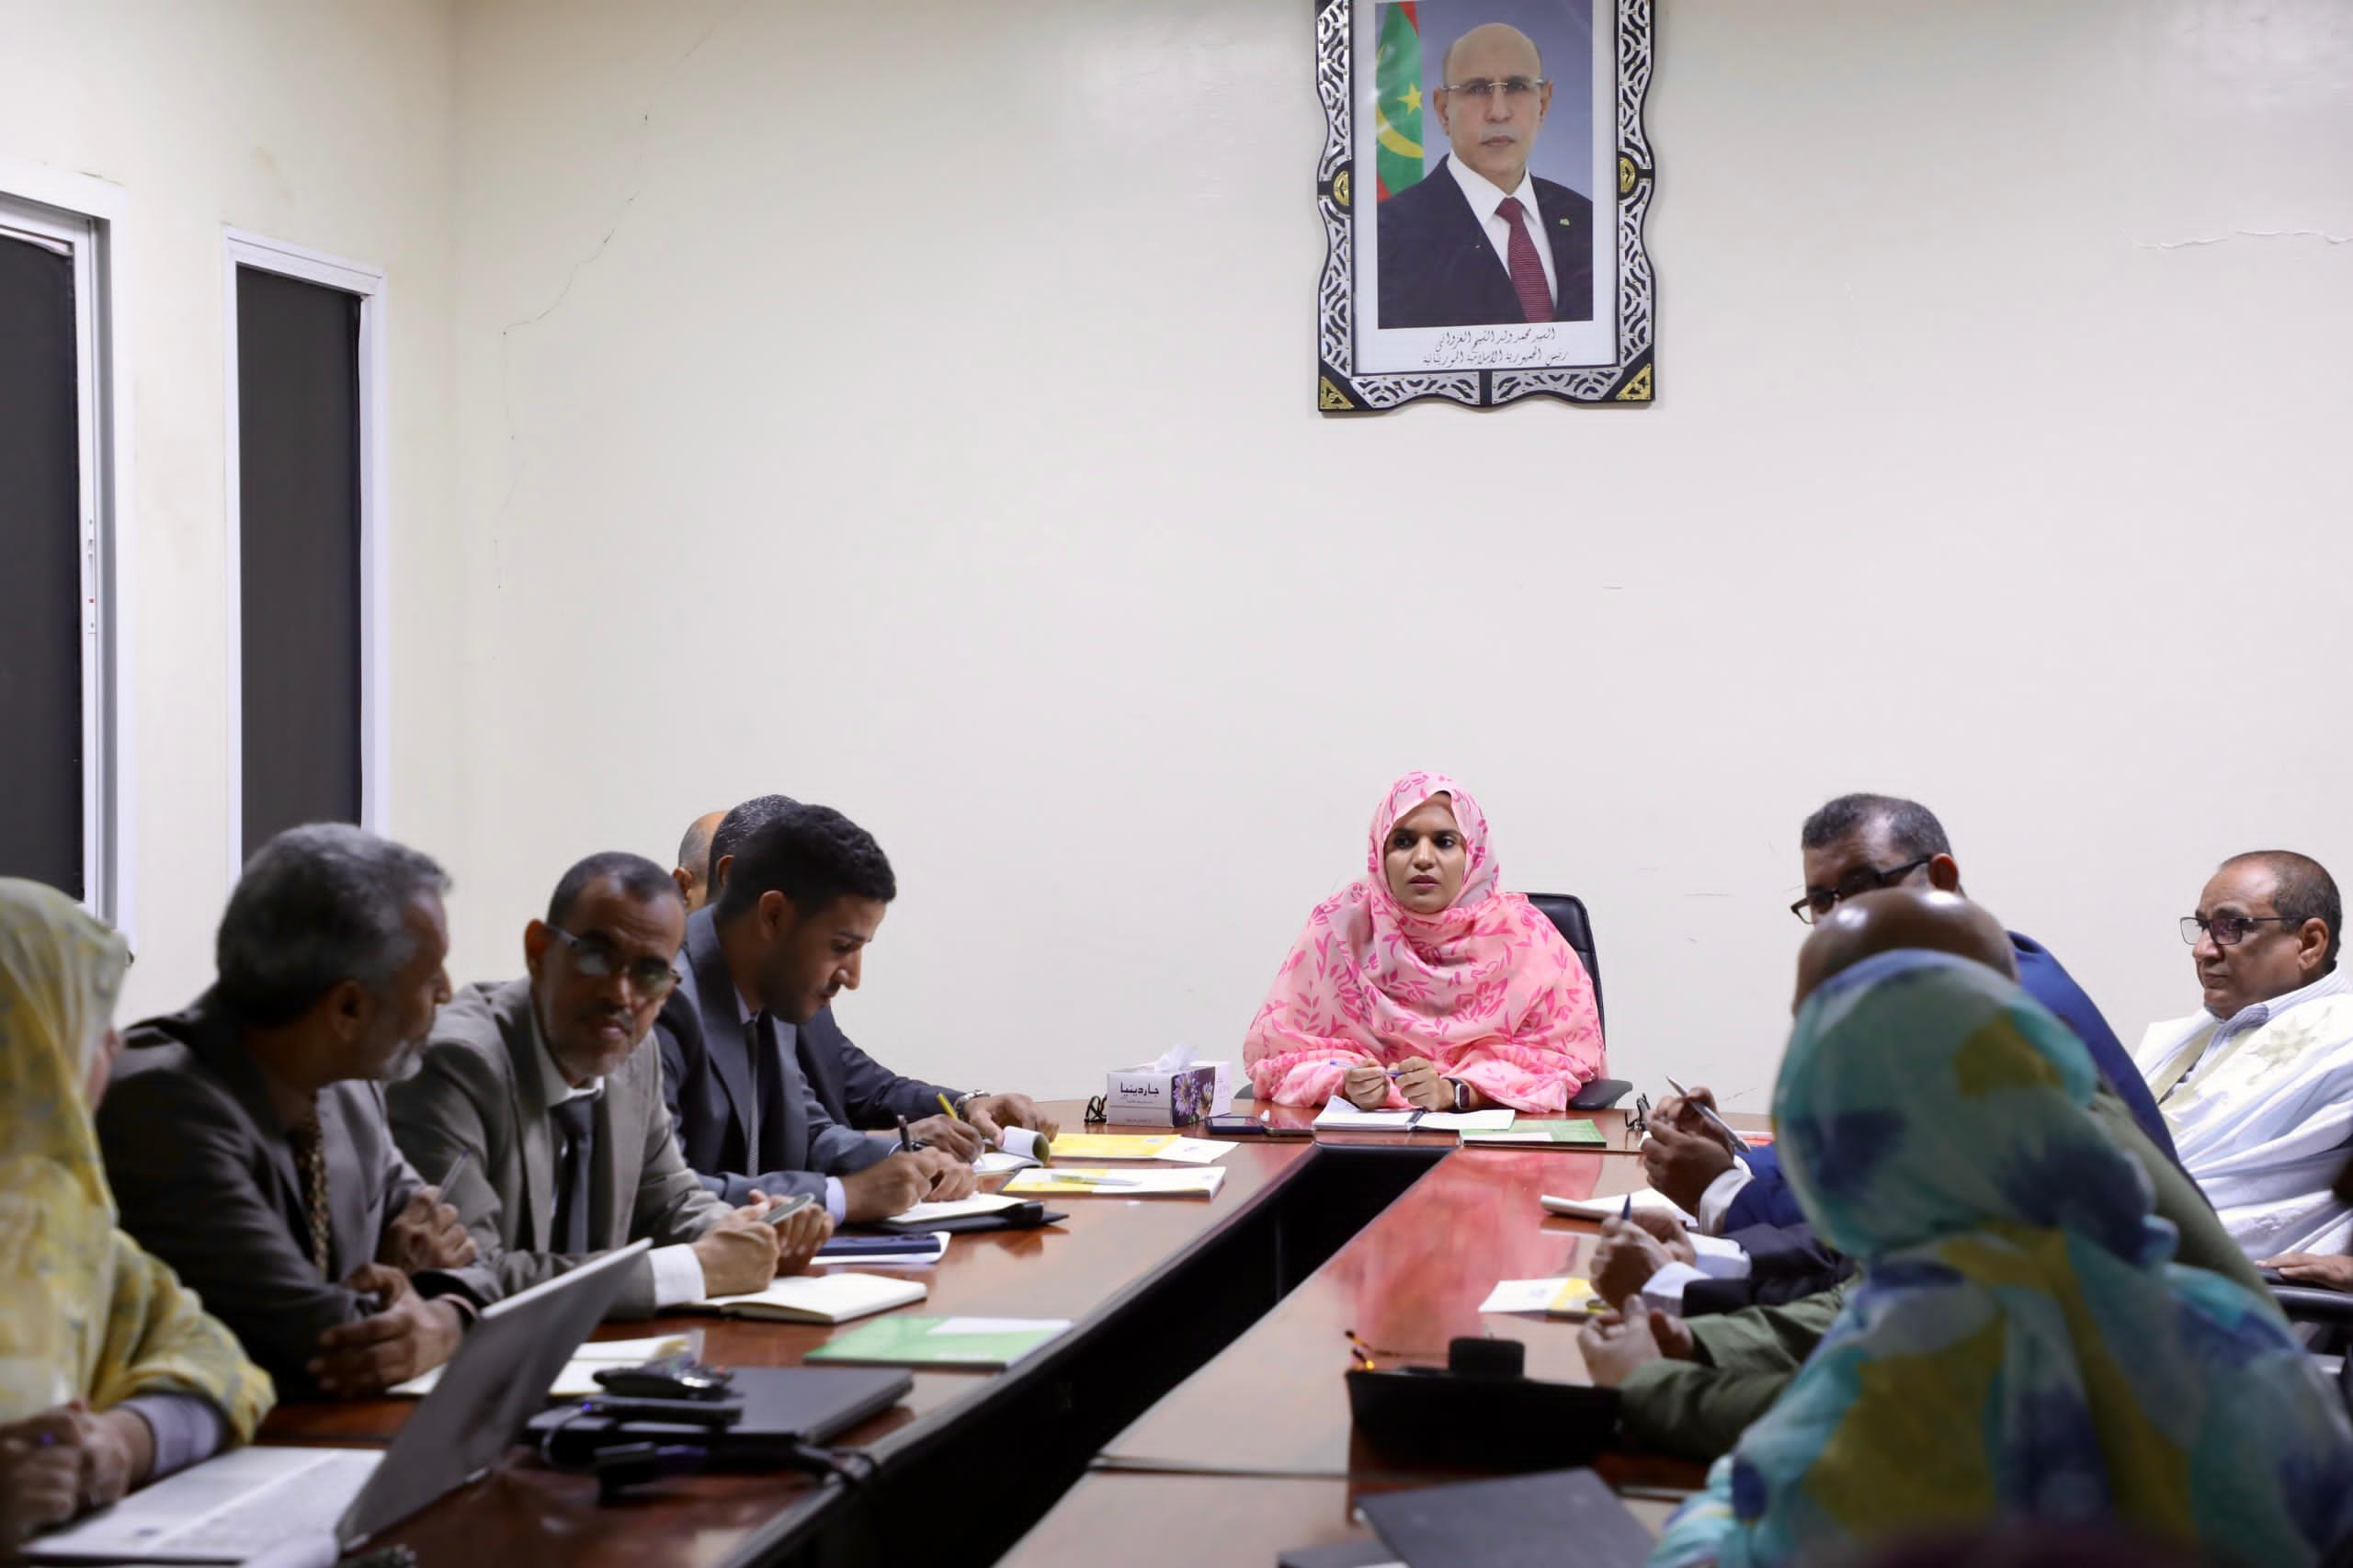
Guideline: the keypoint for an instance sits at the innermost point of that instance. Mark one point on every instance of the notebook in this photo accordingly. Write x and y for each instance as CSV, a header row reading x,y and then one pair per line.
x,y
915,1341
1580,1133
923,1216
1562,1296
1521,1521
913,1247
578,1379
817,1298
1097,1182
1646,1201
1339,1113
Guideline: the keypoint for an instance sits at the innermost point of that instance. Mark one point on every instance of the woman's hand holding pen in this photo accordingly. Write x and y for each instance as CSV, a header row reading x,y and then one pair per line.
x,y
1365,1087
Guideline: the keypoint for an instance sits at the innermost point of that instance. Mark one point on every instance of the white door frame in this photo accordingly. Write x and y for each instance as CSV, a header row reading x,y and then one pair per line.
x,y
243,249
82,216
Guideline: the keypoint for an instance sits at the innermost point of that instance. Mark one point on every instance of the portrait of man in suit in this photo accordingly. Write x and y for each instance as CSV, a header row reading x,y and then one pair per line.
x,y
1480,240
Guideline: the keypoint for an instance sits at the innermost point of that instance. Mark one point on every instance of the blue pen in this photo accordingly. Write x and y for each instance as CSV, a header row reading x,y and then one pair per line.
x,y
1627,1211
1393,1072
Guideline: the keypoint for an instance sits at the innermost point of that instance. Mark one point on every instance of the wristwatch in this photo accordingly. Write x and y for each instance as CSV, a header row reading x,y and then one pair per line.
x,y
1461,1094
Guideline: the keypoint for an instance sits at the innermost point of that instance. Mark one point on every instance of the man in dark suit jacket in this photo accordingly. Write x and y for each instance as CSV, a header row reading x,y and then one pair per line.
x,y
855,1089
1479,240
246,1139
803,897
549,1089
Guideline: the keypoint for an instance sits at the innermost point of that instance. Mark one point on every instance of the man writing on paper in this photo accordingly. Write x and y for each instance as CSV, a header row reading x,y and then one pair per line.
x,y
549,1089
1852,845
858,1091
246,1138
1692,1388
802,897
1479,240
2257,1085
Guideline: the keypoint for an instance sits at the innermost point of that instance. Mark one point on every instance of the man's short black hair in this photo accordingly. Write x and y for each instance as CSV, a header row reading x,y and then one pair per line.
x,y
739,825
1913,829
2305,892
694,852
813,854
639,876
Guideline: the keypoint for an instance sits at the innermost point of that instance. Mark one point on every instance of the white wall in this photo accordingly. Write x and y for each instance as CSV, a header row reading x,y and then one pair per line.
x,y
909,405
327,126
911,409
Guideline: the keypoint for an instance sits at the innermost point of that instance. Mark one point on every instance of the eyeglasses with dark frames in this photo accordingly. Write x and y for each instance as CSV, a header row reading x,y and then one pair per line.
x,y
2228,930
650,978
1819,901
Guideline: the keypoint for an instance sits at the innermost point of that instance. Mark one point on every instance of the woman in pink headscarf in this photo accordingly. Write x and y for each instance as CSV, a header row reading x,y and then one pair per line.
x,y
1423,985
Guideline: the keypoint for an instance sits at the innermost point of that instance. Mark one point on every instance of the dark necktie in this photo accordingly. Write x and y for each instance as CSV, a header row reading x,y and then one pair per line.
x,y
576,1138
310,1165
1526,267
769,1081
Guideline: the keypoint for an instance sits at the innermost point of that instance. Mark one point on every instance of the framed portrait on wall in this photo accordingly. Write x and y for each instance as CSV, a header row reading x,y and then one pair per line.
x,y
1483,186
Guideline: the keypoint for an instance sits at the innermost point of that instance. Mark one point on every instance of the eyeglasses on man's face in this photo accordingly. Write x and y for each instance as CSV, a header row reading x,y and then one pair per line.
x,y
593,956
2228,930
1819,901
1513,90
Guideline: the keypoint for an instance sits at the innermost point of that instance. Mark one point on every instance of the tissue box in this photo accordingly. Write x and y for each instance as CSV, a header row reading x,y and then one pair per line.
x,y
1166,1098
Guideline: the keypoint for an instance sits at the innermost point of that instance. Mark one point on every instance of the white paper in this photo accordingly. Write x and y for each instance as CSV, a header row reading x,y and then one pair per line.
x,y
1001,1162
1646,1201
923,1215
999,1325
1132,1182
1523,1295
578,1379
1337,1112
1198,1151
1020,1142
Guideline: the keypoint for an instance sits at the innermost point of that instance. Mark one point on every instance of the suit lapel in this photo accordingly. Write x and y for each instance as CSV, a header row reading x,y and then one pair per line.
x,y
215,1041
823,1068
527,1094
722,1023
1472,267
1569,232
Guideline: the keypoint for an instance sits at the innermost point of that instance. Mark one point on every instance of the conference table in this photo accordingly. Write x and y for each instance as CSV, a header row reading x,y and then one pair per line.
x,y
1199,1388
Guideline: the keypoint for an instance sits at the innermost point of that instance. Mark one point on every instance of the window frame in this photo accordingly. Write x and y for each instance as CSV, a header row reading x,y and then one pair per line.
x,y
83,216
243,249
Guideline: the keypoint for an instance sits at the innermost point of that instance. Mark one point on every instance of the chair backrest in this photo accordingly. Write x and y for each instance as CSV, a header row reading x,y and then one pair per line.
x,y
1566,911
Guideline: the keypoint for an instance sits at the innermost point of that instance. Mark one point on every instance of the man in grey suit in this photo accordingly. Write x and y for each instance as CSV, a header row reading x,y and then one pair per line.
x,y
802,899
545,1094
855,1089
246,1138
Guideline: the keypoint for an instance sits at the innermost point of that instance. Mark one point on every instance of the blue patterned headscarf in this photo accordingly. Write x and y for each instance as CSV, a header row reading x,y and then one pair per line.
x,y
2021,1344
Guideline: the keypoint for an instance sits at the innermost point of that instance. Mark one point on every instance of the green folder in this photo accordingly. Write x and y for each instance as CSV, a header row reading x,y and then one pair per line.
x,y
1581,1133
903,1341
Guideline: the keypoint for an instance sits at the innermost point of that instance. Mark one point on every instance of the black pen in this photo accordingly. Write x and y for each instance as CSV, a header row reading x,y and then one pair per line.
x,y
907,1144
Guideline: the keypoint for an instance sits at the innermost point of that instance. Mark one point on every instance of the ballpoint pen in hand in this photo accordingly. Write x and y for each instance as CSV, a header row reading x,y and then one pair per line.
x,y
1721,1124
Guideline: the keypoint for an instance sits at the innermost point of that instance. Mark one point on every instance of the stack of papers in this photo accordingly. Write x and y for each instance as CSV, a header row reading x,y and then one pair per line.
x,y
1112,1146
940,1342
578,1379
1646,1201
925,1215
817,1298
1563,1296
1579,1134
1081,1182
1339,1113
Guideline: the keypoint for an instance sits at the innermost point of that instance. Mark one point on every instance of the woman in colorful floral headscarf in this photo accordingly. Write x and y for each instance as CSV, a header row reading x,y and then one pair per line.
x,y
111,1374
2021,1348
1423,976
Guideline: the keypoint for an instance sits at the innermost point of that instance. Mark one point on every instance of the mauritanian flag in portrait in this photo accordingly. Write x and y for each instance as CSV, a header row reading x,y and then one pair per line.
x,y
1397,111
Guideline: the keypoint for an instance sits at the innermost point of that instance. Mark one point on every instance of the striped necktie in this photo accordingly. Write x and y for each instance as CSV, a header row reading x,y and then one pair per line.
x,y
310,1165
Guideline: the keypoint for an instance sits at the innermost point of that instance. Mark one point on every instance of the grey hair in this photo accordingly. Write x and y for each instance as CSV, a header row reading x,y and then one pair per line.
x,y
318,905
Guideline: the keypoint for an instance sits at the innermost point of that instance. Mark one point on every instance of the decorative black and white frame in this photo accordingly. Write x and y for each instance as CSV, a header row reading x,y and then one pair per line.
x,y
1341,386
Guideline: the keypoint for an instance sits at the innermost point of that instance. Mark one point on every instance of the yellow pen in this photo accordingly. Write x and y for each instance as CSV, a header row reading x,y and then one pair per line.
x,y
950,1107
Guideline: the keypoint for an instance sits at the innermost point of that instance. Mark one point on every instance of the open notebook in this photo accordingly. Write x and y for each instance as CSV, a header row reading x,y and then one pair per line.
x,y
817,1298
1339,1113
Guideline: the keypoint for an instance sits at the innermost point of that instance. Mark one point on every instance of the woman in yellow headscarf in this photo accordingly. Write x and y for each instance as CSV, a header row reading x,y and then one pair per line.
x,y
111,1373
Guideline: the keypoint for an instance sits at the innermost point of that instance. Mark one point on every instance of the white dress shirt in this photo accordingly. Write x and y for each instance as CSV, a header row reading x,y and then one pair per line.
x,y
1484,197
836,1200
677,1272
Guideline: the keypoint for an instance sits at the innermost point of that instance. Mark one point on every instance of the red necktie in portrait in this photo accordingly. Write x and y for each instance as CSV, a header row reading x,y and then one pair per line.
x,y
1526,267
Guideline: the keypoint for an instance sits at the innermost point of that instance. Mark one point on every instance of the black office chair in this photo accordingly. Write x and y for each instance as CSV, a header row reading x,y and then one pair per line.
x,y
1566,911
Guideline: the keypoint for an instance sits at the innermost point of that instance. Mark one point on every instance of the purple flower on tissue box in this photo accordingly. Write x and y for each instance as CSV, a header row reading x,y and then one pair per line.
x,y
1163,1099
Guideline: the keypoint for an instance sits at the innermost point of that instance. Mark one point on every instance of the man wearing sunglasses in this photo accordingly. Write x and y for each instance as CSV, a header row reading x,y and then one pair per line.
x,y
2258,1084
1855,844
544,1096
1478,241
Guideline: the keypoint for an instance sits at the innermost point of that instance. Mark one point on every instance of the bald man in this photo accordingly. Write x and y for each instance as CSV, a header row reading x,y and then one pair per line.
x,y
1479,240
694,870
1692,1388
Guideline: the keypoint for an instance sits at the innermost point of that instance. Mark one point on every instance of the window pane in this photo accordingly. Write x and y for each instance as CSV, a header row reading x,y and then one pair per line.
x,y
40,582
298,506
